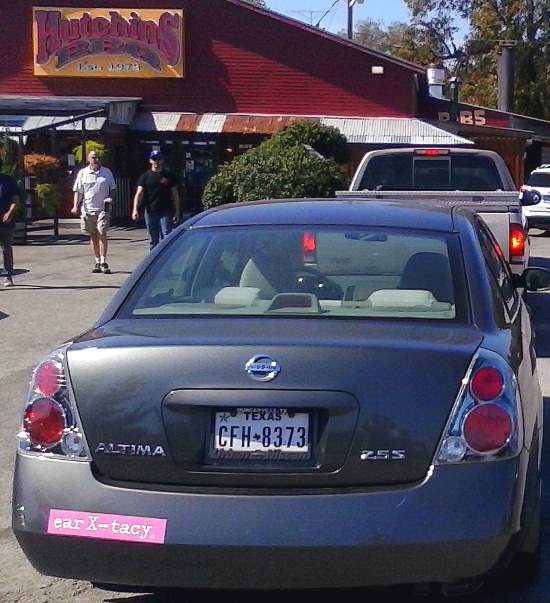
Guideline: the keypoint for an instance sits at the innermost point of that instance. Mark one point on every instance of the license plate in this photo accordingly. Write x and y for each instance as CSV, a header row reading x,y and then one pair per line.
x,y
261,434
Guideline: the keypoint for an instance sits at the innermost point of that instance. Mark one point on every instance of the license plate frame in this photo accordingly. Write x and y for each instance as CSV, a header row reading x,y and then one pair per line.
x,y
236,449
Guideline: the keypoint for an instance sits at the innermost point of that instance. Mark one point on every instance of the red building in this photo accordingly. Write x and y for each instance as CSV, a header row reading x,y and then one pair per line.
x,y
203,80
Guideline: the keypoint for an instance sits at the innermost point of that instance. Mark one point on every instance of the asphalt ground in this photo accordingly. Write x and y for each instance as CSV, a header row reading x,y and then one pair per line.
x,y
57,297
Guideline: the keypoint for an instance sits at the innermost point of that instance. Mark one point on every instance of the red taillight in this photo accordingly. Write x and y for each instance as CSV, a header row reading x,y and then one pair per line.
x,y
309,243
487,384
487,428
48,378
44,422
431,152
517,240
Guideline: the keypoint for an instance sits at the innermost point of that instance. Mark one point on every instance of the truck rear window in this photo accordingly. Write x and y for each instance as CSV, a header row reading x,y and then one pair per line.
x,y
440,173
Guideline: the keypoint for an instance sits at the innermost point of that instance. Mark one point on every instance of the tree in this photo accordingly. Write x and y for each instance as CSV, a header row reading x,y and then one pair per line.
x,y
401,40
526,22
92,145
285,166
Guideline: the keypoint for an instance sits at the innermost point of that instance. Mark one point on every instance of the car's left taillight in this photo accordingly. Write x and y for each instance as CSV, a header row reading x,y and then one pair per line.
x,y
51,425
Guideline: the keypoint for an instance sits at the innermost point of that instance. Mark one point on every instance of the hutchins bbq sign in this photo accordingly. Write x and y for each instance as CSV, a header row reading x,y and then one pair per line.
x,y
108,42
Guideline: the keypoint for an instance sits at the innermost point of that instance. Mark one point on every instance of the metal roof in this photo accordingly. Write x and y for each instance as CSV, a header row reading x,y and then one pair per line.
x,y
40,121
393,130
357,130
211,123
147,121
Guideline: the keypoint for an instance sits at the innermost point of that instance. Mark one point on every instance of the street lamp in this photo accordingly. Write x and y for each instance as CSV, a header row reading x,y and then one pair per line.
x,y
351,4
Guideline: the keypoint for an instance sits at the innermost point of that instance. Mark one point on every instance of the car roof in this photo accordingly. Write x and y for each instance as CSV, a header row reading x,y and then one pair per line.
x,y
335,212
542,168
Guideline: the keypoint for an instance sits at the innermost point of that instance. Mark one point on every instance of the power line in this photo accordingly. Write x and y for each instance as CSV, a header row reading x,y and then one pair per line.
x,y
327,12
309,13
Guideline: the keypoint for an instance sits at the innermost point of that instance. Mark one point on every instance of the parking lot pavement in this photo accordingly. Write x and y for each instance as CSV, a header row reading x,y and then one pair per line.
x,y
57,297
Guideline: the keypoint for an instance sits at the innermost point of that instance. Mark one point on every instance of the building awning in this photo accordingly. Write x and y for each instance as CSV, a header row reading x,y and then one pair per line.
x,y
41,121
357,130
118,110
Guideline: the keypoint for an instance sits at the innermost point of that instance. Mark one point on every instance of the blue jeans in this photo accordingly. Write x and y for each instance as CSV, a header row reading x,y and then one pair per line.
x,y
159,225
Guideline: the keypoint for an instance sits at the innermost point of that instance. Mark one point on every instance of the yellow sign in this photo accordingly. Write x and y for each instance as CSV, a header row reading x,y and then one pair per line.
x,y
108,42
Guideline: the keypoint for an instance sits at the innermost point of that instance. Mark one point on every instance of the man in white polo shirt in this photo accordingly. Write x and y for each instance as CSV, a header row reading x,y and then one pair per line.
x,y
93,188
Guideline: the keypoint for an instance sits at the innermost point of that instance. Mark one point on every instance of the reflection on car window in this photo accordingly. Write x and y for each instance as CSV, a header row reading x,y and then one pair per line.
x,y
498,268
333,272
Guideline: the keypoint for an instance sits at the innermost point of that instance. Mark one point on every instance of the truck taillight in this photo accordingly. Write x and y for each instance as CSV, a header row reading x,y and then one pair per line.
x,y
309,247
486,421
517,240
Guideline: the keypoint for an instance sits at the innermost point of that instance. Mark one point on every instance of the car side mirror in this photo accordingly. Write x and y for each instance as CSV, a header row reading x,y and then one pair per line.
x,y
535,279
530,198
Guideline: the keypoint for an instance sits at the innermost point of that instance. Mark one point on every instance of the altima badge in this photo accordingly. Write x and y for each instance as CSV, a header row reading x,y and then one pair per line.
x,y
130,449
262,368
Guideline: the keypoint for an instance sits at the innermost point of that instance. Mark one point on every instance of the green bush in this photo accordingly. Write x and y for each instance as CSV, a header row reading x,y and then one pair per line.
x,y
92,145
324,139
47,197
280,168
8,155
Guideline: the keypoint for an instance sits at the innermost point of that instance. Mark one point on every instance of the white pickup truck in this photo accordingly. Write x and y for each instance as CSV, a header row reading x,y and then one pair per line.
x,y
447,175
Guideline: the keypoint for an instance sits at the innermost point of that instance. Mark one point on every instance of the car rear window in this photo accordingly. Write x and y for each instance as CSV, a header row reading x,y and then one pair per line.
x,y
302,271
540,179
407,172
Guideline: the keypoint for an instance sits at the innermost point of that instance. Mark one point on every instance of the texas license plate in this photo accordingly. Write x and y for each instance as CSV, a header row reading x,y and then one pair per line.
x,y
261,434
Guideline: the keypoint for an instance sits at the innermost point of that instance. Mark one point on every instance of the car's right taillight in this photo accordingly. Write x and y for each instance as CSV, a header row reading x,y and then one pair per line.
x,y
51,425
486,421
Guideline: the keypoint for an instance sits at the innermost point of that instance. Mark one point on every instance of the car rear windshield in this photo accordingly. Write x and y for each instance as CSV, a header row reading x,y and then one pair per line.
x,y
540,179
299,271
406,172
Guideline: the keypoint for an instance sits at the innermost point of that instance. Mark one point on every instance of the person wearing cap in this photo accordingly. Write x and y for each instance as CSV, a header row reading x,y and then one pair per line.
x,y
157,193
93,189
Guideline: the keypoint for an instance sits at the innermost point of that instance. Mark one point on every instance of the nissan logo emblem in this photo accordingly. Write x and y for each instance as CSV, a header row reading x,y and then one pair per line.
x,y
262,368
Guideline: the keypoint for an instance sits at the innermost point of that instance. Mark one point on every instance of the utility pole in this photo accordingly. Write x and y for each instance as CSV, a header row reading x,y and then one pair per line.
x,y
351,4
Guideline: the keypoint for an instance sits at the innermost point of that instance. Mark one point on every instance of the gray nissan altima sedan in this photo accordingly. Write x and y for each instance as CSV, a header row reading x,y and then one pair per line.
x,y
320,393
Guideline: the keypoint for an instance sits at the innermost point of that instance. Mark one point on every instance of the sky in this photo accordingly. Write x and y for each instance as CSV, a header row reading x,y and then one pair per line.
x,y
385,11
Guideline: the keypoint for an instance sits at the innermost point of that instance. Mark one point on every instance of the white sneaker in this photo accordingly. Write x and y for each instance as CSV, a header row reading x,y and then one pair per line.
x,y
9,282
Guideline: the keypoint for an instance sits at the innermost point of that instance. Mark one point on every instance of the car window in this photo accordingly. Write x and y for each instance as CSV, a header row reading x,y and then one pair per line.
x,y
321,272
401,172
540,179
498,268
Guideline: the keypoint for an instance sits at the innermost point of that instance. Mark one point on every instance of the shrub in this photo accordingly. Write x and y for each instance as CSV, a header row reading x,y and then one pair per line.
x,y
92,145
281,167
8,155
324,139
47,197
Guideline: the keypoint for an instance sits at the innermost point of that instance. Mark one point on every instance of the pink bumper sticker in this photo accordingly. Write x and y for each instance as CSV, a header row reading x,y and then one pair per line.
x,y
108,527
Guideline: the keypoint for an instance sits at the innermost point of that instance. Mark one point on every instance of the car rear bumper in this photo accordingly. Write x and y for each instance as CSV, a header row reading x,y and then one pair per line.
x,y
455,525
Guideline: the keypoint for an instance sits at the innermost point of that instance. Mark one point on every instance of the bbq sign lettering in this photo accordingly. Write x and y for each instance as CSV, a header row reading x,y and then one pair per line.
x,y
101,42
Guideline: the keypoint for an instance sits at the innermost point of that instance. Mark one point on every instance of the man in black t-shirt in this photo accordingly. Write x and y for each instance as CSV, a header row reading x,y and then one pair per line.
x,y
157,193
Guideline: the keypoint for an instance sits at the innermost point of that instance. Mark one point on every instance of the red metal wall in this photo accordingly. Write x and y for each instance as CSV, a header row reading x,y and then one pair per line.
x,y
237,60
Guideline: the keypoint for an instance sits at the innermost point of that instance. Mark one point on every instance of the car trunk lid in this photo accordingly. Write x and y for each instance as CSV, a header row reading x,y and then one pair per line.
x,y
152,393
